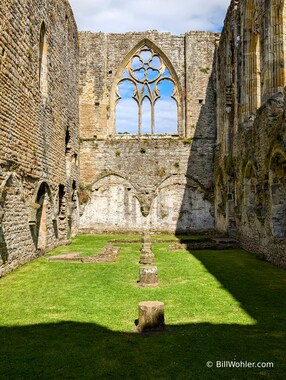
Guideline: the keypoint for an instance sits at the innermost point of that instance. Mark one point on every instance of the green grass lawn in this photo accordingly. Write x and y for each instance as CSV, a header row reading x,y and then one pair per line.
x,y
76,320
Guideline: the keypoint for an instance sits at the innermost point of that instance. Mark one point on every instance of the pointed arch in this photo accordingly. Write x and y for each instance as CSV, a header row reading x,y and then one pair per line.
x,y
42,215
3,185
250,181
112,203
251,169
152,45
111,173
173,77
10,177
277,185
12,203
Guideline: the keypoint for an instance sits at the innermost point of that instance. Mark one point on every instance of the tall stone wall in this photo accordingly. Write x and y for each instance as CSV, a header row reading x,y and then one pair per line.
x,y
161,182
38,129
250,166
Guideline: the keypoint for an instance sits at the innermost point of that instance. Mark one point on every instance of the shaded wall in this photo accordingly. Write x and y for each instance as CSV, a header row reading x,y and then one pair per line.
x,y
251,156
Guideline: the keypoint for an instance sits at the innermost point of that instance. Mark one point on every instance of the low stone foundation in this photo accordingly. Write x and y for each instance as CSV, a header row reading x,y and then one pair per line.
x,y
107,255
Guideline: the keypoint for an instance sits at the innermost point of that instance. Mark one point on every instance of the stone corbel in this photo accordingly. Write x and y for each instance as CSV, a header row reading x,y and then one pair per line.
x,y
145,201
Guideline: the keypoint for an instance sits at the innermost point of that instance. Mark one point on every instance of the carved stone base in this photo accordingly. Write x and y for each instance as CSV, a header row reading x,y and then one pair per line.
x,y
151,316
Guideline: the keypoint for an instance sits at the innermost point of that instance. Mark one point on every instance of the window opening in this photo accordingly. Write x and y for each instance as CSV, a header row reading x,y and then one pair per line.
x,y
146,96
43,62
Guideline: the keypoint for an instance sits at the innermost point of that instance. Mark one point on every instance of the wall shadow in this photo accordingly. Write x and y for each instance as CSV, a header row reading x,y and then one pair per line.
x,y
3,247
70,350
200,169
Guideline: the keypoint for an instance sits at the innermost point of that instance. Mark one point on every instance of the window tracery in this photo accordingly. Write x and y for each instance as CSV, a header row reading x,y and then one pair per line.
x,y
147,79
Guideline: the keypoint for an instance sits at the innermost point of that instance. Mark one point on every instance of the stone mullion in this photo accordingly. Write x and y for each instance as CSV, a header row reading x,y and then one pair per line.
x,y
140,117
152,117
253,78
247,101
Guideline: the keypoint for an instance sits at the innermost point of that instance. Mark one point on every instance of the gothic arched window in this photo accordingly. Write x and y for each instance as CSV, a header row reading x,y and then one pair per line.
x,y
43,62
146,96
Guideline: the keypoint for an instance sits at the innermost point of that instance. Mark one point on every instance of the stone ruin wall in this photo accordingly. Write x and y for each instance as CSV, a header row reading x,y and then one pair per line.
x,y
143,184
250,165
38,157
159,182
129,183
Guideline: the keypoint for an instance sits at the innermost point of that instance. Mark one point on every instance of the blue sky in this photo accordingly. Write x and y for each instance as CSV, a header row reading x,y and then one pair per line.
x,y
139,15
177,17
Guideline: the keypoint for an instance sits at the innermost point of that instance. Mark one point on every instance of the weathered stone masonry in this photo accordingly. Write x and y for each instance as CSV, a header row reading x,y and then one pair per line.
x,y
142,184
135,182
38,128
250,167
224,169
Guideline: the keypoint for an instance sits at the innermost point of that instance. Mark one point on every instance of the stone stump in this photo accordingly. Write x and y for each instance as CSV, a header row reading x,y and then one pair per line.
x,y
148,276
146,238
151,316
147,246
146,256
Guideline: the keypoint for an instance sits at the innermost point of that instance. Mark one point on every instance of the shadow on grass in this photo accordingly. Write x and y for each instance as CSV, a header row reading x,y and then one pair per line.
x,y
71,350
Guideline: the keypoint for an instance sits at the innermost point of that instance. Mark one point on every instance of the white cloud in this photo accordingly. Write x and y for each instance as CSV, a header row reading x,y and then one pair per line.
x,y
138,15
127,116
165,116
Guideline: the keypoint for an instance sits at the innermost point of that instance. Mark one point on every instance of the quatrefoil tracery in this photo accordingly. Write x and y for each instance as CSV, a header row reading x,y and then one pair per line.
x,y
146,70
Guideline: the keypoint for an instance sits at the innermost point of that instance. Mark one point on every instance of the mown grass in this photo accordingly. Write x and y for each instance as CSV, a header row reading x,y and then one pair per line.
x,y
76,321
